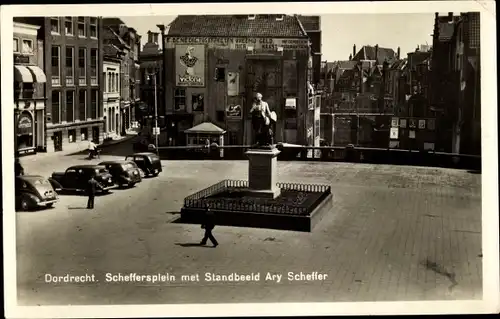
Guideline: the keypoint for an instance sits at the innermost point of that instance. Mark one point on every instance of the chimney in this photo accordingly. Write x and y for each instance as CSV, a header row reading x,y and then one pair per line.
x,y
450,16
354,51
350,57
155,37
376,53
150,37
399,53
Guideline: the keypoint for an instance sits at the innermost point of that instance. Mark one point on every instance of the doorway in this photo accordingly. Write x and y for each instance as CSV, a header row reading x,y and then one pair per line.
x,y
58,141
95,134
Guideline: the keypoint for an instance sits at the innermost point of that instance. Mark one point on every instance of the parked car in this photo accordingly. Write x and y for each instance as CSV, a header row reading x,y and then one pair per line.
x,y
33,191
76,178
149,163
123,172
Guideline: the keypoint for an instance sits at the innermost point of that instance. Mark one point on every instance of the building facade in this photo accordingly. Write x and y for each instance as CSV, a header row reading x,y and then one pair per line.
x,y
111,96
29,87
455,82
123,40
151,63
73,64
218,64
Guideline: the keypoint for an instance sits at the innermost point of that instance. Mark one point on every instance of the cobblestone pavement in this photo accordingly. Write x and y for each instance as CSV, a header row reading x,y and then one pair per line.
x,y
395,233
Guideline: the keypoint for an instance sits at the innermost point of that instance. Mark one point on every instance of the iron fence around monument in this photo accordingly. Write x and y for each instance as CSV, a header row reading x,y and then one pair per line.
x,y
304,192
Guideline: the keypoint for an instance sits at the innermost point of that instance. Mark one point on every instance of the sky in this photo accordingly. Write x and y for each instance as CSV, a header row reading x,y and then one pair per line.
x,y
341,31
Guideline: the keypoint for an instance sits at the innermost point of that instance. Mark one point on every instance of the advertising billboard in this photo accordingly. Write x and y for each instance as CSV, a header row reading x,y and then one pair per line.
x,y
190,65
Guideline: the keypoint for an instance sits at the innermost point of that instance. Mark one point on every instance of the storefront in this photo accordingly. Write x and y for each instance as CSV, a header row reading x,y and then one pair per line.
x,y
216,78
29,108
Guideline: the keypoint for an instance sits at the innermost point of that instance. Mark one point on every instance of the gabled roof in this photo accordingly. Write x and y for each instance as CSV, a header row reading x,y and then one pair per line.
x,y
235,26
111,50
368,52
310,23
205,127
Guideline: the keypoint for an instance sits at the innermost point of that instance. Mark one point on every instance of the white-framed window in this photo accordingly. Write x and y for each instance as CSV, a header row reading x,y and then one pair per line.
x,y
70,106
56,107
55,25
27,46
70,65
56,65
93,28
93,100
82,66
82,32
16,45
82,104
94,61
104,79
68,25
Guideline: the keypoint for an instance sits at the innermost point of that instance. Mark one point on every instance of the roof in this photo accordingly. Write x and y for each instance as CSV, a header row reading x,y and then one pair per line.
x,y
205,127
111,50
235,26
115,162
310,23
85,166
368,52
112,22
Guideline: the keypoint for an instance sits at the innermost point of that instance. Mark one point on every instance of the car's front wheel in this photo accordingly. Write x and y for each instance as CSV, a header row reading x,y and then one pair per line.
x,y
25,204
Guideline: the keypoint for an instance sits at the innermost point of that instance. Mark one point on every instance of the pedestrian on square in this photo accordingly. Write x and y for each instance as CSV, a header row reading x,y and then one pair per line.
x,y
19,170
209,224
91,191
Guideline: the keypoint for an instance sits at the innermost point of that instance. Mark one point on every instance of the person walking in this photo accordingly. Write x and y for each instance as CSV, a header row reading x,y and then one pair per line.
x,y
19,170
92,149
91,191
209,224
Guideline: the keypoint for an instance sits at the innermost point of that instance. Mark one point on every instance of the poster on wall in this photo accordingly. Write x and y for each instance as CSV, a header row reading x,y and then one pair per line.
x,y
233,83
233,111
25,124
190,65
394,133
197,102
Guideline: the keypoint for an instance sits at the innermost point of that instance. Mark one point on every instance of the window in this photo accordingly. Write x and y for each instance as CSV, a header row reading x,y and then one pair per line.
x,y
27,90
70,67
84,133
16,45
54,25
72,136
93,27
82,65
104,79
81,27
70,106
56,70
117,82
27,46
93,66
68,25
56,106
197,102
82,105
180,100
108,83
93,103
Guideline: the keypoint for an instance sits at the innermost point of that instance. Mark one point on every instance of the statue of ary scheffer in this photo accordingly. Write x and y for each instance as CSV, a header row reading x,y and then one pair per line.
x,y
263,122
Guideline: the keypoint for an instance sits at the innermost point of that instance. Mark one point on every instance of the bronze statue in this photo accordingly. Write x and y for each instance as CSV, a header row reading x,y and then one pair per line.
x,y
263,120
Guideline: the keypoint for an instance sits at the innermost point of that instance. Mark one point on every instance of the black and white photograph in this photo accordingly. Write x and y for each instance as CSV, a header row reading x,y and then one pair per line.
x,y
250,159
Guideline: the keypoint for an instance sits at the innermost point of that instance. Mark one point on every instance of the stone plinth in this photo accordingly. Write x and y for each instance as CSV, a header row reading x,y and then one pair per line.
x,y
262,170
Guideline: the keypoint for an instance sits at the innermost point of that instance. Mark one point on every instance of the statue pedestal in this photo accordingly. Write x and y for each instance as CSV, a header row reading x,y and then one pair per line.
x,y
262,170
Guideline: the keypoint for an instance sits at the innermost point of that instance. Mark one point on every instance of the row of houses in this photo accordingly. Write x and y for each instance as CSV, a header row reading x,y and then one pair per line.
x,y
74,81
212,66
436,87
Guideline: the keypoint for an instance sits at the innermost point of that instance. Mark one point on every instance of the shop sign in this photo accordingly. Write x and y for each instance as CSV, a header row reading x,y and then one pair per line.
x,y
413,123
291,103
25,124
234,111
394,133
395,122
421,124
257,44
233,83
190,65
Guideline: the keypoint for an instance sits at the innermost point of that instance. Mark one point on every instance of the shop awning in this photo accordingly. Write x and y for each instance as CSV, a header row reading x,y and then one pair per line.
x,y
206,128
38,74
22,74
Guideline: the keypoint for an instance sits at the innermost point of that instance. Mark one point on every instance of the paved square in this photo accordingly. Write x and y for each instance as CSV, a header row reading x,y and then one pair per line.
x,y
395,233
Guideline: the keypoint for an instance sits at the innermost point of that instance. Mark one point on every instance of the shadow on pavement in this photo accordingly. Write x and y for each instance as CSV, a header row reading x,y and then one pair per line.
x,y
477,172
192,245
82,207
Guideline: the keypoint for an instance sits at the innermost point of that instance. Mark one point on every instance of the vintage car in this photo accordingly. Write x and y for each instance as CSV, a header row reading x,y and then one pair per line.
x,y
76,178
149,163
123,172
33,191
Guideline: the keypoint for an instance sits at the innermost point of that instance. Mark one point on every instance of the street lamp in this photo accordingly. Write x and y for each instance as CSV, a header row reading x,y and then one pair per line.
x,y
156,130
